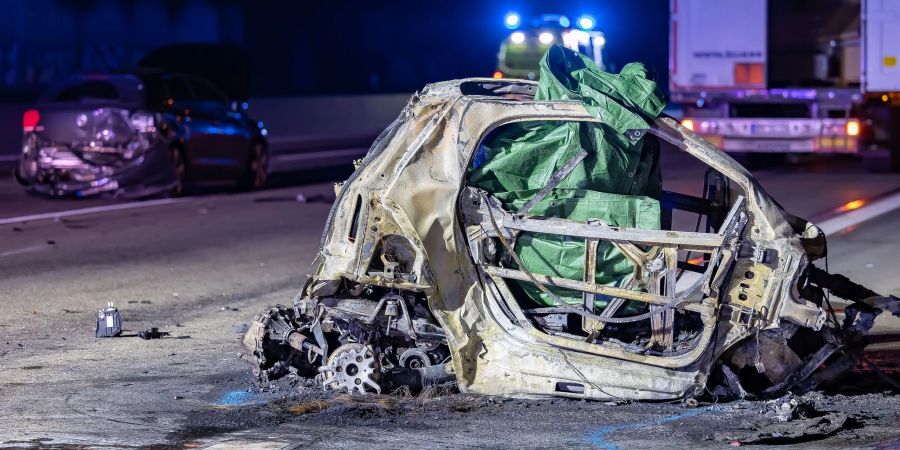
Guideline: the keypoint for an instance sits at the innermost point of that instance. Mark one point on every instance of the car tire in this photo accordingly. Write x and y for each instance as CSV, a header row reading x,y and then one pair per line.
x,y
256,172
180,165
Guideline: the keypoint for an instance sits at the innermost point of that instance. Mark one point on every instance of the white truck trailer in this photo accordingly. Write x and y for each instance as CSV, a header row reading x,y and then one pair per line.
x,y
773,77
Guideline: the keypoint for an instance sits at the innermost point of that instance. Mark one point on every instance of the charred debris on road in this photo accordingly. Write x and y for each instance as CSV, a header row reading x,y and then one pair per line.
x,y
514,237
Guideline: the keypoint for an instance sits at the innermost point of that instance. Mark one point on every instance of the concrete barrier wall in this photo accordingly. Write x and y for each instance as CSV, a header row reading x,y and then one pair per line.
x,y
311,132
311,119
303,131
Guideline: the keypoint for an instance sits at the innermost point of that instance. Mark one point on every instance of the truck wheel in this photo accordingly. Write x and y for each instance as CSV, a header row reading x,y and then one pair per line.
x,y
894,160
894,140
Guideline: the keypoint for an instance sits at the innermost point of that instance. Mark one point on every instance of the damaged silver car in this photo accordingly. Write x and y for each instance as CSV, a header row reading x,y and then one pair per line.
x,y
427,274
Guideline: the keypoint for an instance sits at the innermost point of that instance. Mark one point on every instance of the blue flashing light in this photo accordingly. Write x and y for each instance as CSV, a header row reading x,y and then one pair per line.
x,y
586,22
512,20
564,22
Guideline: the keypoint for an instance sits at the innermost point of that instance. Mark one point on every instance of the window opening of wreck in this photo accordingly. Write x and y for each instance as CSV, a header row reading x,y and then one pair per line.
x,y
576,228
354,222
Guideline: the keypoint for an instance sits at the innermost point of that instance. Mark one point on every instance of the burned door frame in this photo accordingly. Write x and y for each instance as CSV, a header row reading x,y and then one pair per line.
x,y
754,218
653,254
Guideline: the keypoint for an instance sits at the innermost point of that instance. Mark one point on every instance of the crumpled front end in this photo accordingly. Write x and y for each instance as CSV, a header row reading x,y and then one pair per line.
x,y
106,151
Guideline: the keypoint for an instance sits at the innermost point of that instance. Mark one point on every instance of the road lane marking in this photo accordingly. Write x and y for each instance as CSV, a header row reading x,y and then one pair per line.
x,y
92,210
854,215
29,249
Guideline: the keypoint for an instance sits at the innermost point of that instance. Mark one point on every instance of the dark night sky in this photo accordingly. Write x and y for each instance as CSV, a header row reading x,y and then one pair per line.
x,y
398,46
303,47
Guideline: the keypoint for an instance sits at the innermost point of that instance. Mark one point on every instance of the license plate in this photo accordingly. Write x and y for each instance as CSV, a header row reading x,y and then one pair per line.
x,y
769,129
770,145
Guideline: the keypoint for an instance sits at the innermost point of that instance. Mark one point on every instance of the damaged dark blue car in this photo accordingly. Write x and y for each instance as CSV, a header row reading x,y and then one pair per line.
x,y
138,134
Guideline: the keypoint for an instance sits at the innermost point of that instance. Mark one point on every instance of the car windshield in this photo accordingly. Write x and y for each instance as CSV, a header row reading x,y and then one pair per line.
x,y
524,56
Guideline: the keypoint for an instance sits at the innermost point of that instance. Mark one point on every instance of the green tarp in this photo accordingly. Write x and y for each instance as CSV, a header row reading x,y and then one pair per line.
x,y
618,182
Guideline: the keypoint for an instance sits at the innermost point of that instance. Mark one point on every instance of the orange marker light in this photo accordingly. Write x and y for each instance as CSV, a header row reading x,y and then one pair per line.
x,y
498,74
688,123
853,128
697,260
850,206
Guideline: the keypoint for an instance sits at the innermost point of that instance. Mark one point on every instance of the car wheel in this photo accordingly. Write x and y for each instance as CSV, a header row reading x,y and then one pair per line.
x,y
180,173
256,174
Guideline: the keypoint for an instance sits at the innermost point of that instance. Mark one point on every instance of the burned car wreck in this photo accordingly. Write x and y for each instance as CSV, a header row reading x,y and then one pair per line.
x,y
556,272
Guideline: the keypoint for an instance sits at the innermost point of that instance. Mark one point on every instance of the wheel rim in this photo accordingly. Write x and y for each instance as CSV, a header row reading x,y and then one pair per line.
x,y
259,167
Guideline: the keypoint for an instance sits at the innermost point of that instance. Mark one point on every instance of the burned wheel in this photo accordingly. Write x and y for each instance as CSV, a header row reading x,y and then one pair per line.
x,y
352,367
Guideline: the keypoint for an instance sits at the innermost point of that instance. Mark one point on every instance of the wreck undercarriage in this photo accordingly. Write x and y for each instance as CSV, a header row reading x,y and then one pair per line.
x,y
418,280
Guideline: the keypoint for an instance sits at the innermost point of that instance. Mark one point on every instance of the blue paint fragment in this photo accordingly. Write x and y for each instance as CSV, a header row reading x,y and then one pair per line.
x,y
234,398
598,437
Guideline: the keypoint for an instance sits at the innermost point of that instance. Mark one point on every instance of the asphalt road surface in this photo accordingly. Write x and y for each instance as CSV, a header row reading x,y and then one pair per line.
x,y
199,268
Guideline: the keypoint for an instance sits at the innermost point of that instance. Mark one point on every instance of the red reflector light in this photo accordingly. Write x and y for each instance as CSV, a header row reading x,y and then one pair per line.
x,y
30,119
688,123
498,74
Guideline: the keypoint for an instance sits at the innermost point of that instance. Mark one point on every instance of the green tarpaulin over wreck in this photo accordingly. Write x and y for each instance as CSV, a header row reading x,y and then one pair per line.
x,y
617,182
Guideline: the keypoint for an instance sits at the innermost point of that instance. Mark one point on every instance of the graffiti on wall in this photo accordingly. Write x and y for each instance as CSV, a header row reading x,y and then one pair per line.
x,y
28,67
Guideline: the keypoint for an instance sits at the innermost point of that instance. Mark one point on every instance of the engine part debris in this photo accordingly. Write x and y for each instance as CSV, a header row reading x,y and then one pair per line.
x,y
433,264
109,322
794,419
151,333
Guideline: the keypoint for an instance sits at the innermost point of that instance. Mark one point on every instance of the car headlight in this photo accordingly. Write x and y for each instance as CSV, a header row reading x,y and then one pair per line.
x,y
143,122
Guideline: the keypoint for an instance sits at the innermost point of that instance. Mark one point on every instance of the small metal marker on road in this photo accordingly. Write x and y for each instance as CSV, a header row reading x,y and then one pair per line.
x,y
109,322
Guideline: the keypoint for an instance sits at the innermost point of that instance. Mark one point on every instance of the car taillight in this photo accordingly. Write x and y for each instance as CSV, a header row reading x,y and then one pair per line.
x,y
688,123
30,120
853,128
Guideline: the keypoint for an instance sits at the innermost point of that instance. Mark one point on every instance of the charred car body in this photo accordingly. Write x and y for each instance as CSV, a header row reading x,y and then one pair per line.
x,y
419,277
137,134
